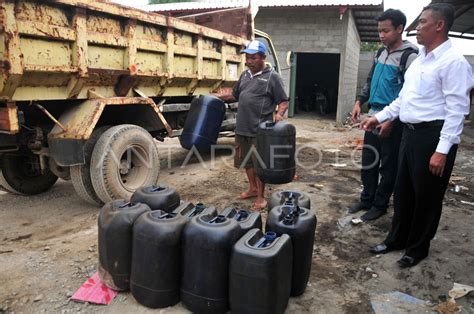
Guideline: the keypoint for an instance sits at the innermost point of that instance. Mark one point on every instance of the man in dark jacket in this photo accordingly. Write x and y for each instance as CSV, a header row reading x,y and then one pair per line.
x,y
380,151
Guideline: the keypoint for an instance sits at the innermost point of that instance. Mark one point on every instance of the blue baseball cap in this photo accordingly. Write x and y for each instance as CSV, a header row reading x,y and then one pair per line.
x,y
254,47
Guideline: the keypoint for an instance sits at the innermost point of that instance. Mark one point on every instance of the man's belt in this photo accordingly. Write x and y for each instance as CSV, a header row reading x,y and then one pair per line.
x,y
424,125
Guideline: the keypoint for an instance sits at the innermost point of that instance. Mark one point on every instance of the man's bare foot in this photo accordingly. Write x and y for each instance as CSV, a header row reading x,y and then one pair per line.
x,y
247,194
259,204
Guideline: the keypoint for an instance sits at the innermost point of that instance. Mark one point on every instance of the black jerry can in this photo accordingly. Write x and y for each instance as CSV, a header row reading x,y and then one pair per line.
x,y
206,249
276,146
300,224
156,258
115,224
260,273
247,219
289,197
189,210
203,123
157,197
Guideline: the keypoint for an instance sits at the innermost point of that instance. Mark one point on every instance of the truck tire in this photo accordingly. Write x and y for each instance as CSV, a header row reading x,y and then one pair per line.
x,y
124,159
4,186
59,171
81,174
2,181
20,175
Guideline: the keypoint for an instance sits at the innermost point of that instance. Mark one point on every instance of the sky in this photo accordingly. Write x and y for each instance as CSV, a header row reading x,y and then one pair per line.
x,y
411,8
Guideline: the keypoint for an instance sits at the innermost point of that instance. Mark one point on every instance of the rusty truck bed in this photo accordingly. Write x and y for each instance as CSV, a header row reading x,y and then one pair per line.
x,y
63,49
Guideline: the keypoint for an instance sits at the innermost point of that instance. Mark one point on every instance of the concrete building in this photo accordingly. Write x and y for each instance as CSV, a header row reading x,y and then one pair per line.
x,y
324,40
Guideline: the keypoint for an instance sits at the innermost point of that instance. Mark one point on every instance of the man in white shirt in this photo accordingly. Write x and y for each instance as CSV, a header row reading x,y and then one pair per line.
x,y
432,105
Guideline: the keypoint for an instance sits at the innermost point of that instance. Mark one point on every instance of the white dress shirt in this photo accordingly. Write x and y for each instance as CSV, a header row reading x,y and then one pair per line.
x,y
436,87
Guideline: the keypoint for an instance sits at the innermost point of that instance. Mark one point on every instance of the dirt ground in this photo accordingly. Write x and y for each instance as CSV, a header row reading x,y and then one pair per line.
x,y
48,243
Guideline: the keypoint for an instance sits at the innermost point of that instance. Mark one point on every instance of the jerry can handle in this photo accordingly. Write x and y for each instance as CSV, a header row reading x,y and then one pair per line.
x,y
127,204
268,238
197,209
218,219
157,188
167,216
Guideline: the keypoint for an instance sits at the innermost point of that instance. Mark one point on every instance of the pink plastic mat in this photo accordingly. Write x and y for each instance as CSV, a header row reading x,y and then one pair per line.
x,y
94,291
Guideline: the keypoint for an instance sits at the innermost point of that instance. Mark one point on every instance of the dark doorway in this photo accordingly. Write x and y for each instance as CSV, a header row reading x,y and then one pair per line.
x,y
317,83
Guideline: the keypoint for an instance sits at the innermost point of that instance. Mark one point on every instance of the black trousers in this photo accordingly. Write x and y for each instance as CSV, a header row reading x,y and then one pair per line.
x,y
379,167
418,195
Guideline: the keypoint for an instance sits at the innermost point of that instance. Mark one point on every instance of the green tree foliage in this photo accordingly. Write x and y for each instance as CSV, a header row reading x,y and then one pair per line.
x,y
370,46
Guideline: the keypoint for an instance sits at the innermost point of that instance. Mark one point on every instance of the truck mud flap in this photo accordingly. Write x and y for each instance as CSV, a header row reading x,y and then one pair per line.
x,y
67,152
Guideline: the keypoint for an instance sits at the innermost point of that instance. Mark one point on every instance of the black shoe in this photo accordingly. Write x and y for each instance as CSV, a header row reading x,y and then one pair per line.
x,y
408,261
373,214
381,248
358,206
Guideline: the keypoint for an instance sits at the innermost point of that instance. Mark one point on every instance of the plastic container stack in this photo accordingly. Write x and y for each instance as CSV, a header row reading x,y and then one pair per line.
x,y
211,262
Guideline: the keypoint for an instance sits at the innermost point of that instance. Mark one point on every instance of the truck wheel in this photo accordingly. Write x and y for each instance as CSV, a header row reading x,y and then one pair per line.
x,y
124,159
2,181
81,174
4,186
59,171
21,174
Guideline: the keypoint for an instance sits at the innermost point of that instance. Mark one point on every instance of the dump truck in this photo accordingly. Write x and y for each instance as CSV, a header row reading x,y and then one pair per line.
x,y
88,88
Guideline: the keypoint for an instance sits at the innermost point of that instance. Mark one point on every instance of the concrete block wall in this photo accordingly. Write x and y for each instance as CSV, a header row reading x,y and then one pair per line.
x,y
366,59
349,68
301,30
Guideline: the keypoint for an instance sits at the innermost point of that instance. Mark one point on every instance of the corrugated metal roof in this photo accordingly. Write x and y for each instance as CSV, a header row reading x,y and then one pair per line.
x,y
209,4
463,26
185,6
300,3
364,11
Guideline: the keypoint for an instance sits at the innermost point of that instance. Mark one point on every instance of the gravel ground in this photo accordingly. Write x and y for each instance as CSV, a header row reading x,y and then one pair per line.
x,y
49,241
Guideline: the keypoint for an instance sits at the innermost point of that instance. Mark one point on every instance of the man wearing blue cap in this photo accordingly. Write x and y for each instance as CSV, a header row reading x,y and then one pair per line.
x,y
258,91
